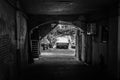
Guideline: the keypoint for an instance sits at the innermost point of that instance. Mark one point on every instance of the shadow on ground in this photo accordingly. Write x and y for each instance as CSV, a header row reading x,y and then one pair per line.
x,y
63,71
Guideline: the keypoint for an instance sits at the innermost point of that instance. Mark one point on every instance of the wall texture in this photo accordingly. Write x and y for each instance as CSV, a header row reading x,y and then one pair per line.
x,y
109,50
119,42
7,40
113,41
22,36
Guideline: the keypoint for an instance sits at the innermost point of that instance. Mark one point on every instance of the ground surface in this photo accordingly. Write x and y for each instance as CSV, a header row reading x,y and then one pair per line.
x,y
58,52
66,69
61,67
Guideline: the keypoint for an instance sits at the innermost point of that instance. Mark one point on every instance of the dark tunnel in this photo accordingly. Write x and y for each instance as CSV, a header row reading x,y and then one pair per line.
x,y
59,39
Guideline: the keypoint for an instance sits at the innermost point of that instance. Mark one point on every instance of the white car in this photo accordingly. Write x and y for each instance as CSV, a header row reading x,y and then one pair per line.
x,y
62,43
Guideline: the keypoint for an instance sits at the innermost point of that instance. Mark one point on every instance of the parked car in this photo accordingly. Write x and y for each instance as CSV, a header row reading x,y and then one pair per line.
x,y
62,43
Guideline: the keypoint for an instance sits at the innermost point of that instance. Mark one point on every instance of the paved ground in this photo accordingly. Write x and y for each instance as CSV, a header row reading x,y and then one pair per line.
x,y
58,59
62,71
57,55
58,52
62,68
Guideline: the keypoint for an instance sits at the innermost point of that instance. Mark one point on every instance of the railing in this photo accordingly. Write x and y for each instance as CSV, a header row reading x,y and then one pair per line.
x,y
34,48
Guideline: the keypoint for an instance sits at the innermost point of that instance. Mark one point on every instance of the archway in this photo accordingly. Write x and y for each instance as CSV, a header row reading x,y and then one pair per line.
x,y
61,39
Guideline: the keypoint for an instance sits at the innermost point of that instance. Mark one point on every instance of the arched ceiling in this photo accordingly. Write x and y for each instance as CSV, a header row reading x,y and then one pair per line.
x,y
64,6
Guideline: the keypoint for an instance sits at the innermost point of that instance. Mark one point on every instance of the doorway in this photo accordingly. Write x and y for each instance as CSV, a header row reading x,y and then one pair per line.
x,y
64,41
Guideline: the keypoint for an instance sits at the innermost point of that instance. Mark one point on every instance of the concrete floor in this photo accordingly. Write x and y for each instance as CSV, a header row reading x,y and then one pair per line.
x,y
57,55
57,60
62,71
62,68
58,52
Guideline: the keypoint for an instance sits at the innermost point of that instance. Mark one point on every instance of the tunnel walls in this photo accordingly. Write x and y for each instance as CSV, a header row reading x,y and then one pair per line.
x,y
100,42
107,47
7,41
119,41
13,40
113,42
22,37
